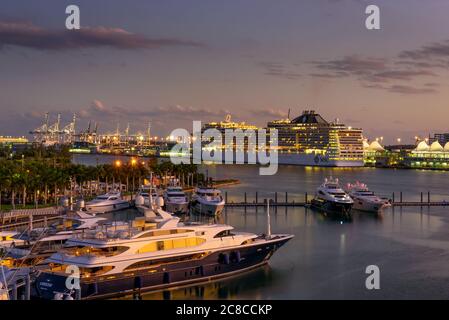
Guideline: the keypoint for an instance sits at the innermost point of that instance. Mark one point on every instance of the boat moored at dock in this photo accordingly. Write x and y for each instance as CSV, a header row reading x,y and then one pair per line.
x,y
331,198
176,200
207,201
141,259
365,199
108,202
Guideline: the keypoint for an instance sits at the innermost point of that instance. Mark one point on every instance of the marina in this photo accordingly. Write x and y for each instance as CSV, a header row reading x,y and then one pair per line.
x,y
412,211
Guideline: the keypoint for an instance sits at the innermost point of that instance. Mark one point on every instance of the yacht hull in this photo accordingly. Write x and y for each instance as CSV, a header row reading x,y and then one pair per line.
x,y
178,208
210,209
331,207
216,265
368,206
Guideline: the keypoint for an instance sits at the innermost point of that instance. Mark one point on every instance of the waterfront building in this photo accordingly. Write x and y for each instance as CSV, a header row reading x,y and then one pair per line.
x,y
9,140
311,140
442,138
374,153
433,156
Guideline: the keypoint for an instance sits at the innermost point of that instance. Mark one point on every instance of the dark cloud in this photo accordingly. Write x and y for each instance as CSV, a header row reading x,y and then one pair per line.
x,y
35,37
402,89
351,65
397,75
439,50
279,70
377,73
410,90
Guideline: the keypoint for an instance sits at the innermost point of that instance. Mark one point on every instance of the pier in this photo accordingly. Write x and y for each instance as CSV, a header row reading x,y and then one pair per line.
x,y
282,200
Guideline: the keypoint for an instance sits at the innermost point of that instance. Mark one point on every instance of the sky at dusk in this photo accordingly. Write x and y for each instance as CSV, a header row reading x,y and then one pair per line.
x,y
173,61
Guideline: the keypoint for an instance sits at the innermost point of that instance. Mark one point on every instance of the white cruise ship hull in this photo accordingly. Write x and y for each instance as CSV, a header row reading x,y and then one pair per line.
x,y
298,159
302,159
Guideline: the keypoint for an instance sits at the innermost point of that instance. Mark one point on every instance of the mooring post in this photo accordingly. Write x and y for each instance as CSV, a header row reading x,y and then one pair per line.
x,y
421,197
305,198
14,292
27,287
226,197
77,294
245,199
286,198
393,197
428,196
400,197
276,197
256,197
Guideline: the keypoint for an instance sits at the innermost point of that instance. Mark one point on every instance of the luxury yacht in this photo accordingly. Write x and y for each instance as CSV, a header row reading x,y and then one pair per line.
x,y
176,200
364,199
208,201
145,191
151,258
43,241
108,202
330,197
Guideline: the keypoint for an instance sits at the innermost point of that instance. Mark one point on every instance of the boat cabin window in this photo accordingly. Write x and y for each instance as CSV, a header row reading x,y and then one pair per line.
x,y
101,252
171,244
157,233
175,194
153,262
113,198
225,233
84,272
102,198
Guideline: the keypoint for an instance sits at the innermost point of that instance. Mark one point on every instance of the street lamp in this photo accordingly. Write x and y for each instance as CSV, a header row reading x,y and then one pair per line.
x,y
399,140
118,163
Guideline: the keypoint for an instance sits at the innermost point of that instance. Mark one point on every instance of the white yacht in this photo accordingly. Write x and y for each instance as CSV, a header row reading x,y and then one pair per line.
x,y
145,191
364,199
207,201
176,200
147,258
47,239
108,202
330,197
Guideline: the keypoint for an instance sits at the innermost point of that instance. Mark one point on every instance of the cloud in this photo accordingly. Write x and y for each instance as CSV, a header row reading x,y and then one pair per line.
x,y
350,65
377,73
269,113
31,36
279,70
438,50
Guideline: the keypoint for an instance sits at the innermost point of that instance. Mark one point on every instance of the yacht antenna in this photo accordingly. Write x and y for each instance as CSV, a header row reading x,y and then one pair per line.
x,y
268,220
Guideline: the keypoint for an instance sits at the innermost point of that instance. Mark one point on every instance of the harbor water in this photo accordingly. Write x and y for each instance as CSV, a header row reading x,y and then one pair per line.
x,y
327,258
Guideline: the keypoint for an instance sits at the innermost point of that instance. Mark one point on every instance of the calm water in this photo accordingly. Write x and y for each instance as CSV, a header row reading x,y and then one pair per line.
x,y
327,258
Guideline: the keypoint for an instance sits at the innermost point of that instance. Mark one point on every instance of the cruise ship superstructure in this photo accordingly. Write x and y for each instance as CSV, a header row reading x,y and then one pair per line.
x,y
312,141
307,140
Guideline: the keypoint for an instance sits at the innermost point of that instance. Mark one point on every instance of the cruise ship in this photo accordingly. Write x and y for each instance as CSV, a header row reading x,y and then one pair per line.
x,y
307,140
125,262
310,140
